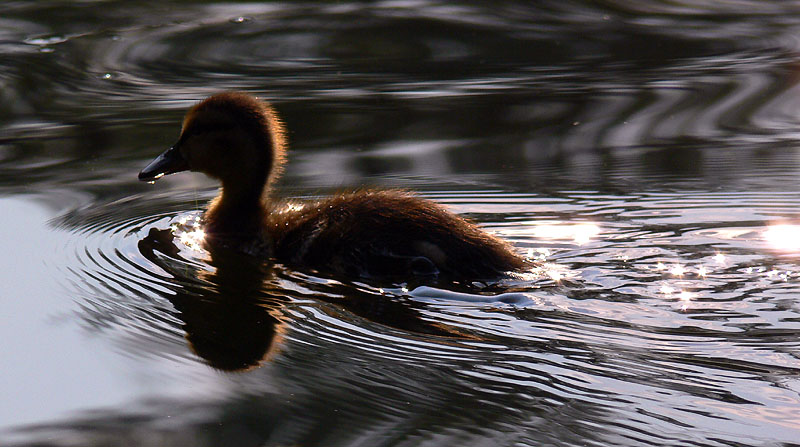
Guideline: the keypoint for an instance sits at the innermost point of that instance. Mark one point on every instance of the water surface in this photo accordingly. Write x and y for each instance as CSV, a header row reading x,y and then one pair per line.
x,y
646,154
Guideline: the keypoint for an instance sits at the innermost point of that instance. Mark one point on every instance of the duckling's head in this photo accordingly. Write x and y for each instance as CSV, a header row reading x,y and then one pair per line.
x,y
230,136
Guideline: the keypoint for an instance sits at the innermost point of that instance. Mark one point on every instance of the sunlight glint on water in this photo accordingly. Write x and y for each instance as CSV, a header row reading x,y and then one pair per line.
x,y
785,237
580,234
190,233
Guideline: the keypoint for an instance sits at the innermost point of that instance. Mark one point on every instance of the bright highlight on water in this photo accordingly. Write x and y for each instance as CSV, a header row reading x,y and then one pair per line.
x,y
784,237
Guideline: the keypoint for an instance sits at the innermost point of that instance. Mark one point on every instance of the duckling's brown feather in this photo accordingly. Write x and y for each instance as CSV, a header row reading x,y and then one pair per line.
x,y
258,118
388,233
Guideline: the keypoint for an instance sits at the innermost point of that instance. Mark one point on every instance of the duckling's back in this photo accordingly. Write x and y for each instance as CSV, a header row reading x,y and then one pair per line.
x,y
388,234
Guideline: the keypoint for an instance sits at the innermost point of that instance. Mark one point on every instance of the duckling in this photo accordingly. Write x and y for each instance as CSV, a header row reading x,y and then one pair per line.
x,y
240,141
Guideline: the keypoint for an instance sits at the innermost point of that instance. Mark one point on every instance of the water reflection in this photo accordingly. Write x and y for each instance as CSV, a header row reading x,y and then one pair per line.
x,y
310,350
227,319
232,317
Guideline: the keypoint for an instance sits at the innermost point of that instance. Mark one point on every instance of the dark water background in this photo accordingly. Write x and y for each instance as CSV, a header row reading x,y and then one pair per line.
x,y
647,151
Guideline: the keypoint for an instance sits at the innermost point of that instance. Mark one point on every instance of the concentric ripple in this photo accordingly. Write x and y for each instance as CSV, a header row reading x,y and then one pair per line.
x,y
665,321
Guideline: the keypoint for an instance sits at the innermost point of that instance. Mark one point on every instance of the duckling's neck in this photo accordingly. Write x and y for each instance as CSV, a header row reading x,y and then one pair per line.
x,y
238,212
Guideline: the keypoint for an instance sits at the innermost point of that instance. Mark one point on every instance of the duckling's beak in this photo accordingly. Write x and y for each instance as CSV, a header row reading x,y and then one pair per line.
x,y
170,162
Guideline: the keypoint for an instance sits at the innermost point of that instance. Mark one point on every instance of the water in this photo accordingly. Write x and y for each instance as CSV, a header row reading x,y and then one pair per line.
x,y
647,153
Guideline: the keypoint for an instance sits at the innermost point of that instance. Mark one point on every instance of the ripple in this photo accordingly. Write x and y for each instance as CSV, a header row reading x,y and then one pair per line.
x,y
669,310
118,288
149,60
589,101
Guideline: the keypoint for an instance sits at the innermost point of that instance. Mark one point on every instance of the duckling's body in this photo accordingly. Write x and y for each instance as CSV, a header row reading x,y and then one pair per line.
x,y
370,233
386,233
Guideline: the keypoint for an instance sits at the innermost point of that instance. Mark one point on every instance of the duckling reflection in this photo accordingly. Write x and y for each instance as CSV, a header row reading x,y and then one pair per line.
x,y
240,141
234,323
228,319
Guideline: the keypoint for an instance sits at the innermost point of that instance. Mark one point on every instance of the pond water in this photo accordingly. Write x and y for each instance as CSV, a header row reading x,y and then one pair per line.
x,y
647,153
